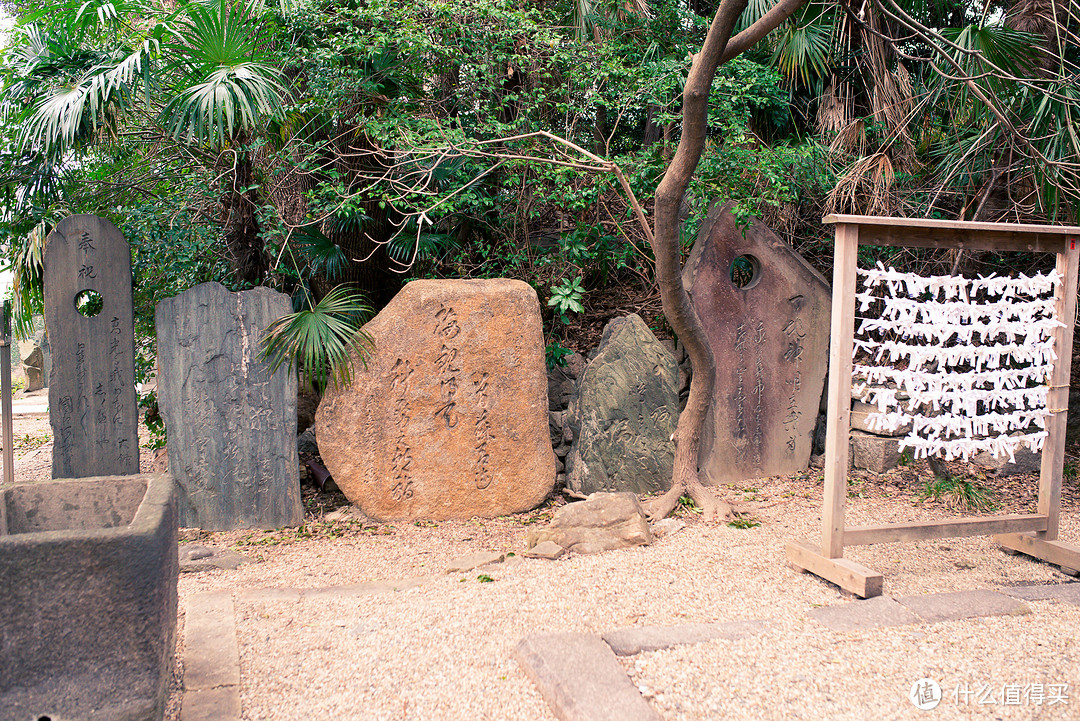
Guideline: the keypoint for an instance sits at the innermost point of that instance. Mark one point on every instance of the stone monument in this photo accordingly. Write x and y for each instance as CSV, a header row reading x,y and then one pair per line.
x,y
231,423
766,313
624,414
448,418
88,313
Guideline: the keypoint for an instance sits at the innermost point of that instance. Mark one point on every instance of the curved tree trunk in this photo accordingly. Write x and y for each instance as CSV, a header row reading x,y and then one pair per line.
x,y
678,309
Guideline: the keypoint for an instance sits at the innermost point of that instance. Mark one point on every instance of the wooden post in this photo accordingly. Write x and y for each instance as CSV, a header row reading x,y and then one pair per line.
x,y
839,408
1057,399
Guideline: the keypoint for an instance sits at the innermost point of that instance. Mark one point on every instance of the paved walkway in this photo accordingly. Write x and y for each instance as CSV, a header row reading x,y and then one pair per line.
x,y
578,674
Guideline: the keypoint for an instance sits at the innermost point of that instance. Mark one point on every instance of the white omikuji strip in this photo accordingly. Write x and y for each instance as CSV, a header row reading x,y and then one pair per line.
x,y
943,404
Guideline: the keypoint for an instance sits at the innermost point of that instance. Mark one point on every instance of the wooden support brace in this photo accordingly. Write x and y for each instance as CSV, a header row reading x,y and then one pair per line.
x,y
953,528
1066,555
848,575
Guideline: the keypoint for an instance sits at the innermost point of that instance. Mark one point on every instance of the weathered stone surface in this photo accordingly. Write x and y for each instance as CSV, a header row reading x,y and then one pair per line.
x,y
89,569
1024,460
581,679
231,423
33,366
936,607
624,414
602,522
474,560
640,639
450,417
1065,592
211,655
770,340
874,453
194,559
92,382
860,412
667,527
548,550
860,615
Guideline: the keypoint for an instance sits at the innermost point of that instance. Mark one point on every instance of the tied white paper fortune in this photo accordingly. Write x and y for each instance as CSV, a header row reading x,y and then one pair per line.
x,y
979,355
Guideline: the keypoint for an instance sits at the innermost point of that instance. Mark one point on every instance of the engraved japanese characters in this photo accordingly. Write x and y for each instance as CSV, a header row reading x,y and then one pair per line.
x,y
88,313
231,423
765,311
449,417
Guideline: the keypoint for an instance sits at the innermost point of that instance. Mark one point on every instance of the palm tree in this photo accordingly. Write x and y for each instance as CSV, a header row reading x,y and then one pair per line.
x,y
196,76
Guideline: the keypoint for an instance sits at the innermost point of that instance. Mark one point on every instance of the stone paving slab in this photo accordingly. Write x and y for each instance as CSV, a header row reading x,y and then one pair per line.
x,y
862,615
581,679
1067,592
638,639
211,656
936,607
266,595
212,704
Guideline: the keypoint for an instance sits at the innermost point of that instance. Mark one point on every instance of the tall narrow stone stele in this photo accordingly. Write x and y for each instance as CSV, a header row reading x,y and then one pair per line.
x,y
231,423
766,312
88,313
448,419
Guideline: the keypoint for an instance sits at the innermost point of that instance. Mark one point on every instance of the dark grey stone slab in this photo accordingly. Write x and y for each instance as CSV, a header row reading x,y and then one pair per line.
x,y
231,423
770,339
861,615
639,639
1067,592
581,679
624,414
935,607
88,593
92,380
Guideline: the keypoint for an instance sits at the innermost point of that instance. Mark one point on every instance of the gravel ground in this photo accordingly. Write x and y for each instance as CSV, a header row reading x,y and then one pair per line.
x,y
442,650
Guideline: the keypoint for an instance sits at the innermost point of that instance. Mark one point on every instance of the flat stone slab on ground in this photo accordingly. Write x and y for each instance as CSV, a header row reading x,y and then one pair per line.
x,y
212,704
638,639
474,560
211,656
581,679
204,558
935,607
1067,592
548,550
861,615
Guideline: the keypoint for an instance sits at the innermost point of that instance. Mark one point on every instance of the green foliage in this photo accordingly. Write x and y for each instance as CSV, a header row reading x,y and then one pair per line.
x,y
966,494
484,578
566,297
744,522
555,353
317,341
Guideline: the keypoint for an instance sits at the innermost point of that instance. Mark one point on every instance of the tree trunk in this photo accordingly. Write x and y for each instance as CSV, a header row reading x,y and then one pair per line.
x,y
678,309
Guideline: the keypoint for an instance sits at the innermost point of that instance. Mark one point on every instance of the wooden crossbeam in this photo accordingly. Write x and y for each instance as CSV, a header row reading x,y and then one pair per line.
x,y
848,575
952,528
1065,555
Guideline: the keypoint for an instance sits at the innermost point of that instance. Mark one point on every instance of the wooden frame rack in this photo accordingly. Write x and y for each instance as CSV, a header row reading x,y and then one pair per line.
x,y
1033,534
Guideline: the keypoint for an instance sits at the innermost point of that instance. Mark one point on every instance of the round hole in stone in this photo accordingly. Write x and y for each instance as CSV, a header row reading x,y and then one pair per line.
x,y
89,303
745,271
44,718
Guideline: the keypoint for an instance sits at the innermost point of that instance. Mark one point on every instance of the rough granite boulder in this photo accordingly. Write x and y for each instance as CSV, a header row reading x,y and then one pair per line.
x,y
624,414
602,522
449,416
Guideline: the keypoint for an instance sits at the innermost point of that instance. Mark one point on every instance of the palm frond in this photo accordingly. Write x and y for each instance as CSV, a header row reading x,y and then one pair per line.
x,y
319,342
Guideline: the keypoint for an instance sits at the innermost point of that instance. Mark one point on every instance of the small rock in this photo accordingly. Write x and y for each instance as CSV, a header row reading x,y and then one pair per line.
x,y
602,522
817,460
964,563
341,514
306,444
474,560
667,527
548,549
194,559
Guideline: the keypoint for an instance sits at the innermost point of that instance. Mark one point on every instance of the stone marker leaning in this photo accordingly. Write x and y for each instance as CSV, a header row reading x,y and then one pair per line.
x,y
88,312
448,419
766,312
231,423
